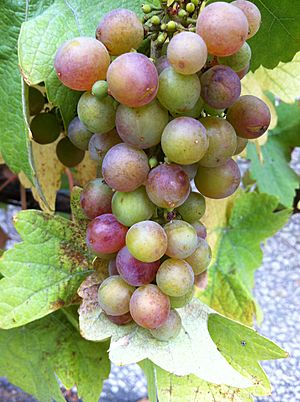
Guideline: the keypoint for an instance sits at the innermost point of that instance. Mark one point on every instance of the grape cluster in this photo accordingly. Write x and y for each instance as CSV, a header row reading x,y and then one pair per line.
x,y
157,128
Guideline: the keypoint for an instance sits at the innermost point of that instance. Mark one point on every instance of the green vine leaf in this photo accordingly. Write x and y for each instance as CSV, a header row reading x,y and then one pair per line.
x,y
43,273
238,253
33,355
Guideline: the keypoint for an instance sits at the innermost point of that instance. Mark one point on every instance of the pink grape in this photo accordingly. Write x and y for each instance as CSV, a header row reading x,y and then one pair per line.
x,y
95,198
105,234
80,62
252,14
132,79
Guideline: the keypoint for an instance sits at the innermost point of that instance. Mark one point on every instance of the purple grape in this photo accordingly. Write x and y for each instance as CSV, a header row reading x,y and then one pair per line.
x,y
95,198
112,267
120,319
100,143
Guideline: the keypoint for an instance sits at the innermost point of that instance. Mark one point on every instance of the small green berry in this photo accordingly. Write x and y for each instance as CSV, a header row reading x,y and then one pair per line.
x,y
195,2
190,8
171,26
182,13
146,8
155,20
163,27
100,89
161,38
153,162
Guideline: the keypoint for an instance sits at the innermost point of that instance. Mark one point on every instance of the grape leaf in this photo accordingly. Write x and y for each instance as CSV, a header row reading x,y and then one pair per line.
x,y
43,273
238,254
271,171
32,356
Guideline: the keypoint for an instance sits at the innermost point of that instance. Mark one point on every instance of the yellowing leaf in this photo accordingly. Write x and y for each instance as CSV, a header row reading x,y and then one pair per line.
x,y
86,170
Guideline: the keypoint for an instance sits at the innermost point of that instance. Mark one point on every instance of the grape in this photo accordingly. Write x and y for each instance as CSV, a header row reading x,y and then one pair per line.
x,y
125,168
222,141
218,182
212,111
112,267
195,112
177,92
182,239
98,115
147,241
100,143
68,154
36,101
133,271
223,27
100,89
130,208
132,79
200,229
243,72
175,277
184,140
169,329
178,302
114,295
193,208
168,186
187,53
105,234
221,87
249,116
161,63
120,30
78,134
95,198
200,259
137,127
120,319
190,170
240,145
149,307
80,62
239,60
201,280
252,14
45,128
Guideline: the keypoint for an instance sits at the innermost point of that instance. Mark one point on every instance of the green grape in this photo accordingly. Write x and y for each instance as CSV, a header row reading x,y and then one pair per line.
x,y
78,134
68,154
114,295
212,111
45,128
190,8
36,101
218,182
252,14
137,127
200,259
170,329
239,60
222,141
99,89
193,208
182,239
241,144
155,20
146,241
130,208
181,301
195,112
177,92
184,140
175,277
100,143
97,115
146,8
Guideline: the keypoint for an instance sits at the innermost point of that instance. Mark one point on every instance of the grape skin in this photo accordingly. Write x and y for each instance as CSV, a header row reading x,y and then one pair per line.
x,y
193,208
78,134
240,145
175,277
120,319
132,79
223,27
161,63
100,143
182,239
201,280
184,140
200,229
195,112
120,31
68,154
187,53
201,257
178,302
149,307
80,62
95,198
239,60
170,329
252,14
114,296
125,168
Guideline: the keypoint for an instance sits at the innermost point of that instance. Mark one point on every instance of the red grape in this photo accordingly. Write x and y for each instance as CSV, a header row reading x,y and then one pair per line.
x,y
95,198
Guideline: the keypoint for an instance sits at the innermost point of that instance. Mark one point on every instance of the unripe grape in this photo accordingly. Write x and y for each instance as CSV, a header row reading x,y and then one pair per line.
x,y
218,182
120,31
36,101
193,208
155,20
100,143
182,13
190,8
184,140
239,60
68,154
98,115
200,229
243,72
252,14
80,62
187,53
201,257
120,319
146,8
125,168
223,27
95,198
114,296
168,186
132,207
105,234
175,277
181,301
132,79
99,89
220,87
45,128
240,145
182,239
78,134
149,307
169,329
171,26
249,116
